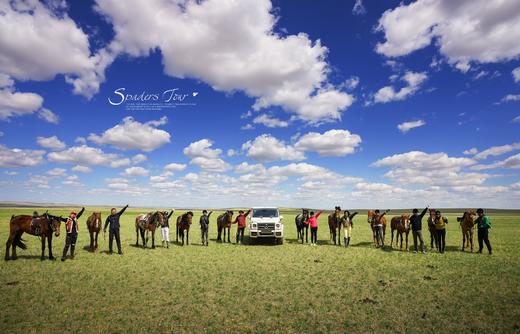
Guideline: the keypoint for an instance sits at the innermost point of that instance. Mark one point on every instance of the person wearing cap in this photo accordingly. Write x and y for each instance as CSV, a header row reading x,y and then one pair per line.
x,y
440,227
378,228
348,225
113,232
241,221
165,229
416,224
484,224
204,226
313,223
72,233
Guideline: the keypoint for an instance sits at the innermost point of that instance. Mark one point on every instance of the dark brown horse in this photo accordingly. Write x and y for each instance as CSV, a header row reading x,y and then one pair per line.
x,y
147,222
42,226
432,230
402,225
224,222
94,226
372,219
334,225
467,225
183,224
300,220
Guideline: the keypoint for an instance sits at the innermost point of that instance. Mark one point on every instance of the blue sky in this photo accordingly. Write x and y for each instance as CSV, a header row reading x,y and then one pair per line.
x,y
294,103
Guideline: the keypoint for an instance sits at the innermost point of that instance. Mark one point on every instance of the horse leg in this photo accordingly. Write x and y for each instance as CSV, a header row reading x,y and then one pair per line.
x,y
91,240
406,248
49,242
96,244
392,241
42,257
339,235
463,240
8,245
153,239
187,236
471,239
136,237
229,235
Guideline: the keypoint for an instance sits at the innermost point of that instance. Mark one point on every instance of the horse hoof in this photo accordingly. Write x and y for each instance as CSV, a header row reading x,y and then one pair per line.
x,y
153,247
42,258
14,258
52,258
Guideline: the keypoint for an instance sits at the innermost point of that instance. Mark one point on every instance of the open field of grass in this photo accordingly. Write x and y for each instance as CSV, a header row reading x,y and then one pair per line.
x,y
291,288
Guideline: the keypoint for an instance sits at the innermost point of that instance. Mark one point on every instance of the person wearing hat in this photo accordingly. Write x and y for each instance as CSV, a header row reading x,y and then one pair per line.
x,y
484,224
113,221
241,221
440,227
165,229
72,233
204,226
416,223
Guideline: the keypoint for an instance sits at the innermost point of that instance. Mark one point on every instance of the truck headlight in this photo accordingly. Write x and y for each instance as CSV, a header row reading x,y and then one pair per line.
x,y
278,226
253,226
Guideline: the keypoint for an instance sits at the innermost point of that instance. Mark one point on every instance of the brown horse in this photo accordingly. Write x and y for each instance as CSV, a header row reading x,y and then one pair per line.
x,y
42,226
432,230
94,226
224,222
147,222
402,225
372,219
183,224
334,225
467,225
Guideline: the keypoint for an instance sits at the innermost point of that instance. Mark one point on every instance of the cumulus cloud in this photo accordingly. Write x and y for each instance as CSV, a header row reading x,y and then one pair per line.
x,y
231,46
131,134
471,151
135,171
57,172
175,167
15,157
52,142
14,104
351,83
138,158
81,169
72,180
330,143
205,157
267,148
510,98
516,119
516,74
413,81
511,162
497,150
88,156
414,26
270,122
407,126
48,116
60,45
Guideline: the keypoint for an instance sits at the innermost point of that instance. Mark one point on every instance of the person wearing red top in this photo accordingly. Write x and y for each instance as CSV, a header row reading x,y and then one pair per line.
x,y
313,222
241,221
72,233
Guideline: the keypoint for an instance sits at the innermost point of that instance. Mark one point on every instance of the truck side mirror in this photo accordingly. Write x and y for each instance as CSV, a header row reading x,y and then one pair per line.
x,y
281,217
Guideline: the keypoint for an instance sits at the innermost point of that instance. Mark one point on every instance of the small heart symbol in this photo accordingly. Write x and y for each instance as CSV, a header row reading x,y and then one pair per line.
x,y
195,93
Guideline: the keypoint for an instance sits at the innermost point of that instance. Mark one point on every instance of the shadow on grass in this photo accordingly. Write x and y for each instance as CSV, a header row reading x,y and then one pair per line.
x,y
365,244
26,257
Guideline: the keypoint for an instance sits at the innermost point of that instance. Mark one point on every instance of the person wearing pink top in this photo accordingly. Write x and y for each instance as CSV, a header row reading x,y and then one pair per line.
x,y
313,222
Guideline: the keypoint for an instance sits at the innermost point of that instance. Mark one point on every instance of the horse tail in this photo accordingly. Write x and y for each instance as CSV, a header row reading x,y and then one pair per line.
x,y
19,242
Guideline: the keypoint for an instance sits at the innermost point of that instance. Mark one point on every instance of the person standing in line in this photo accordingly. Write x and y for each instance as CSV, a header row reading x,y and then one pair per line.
x,y
204,226
348,225
313,222
241,221
165,229
416,223
72,234
440,226
378,228
431,228
113,232
484,225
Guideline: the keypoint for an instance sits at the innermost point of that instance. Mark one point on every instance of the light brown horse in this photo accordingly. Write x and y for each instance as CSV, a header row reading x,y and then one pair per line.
x,y
334,225
224,222
94,226
402,225
467,225
43,226
372,219
183,224
147,222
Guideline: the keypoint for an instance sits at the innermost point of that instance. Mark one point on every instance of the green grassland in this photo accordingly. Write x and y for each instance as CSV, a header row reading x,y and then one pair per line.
x,y
263,288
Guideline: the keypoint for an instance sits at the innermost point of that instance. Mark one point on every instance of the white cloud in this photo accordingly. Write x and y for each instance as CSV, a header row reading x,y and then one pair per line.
x,y
270,122
48,116
175,167
5,81
231,46
135,171
131,134
516,119
138,158
358,8
231,152
516,74
205,157
14,104
52,44
87,156
266,148
57,172
331,143
11,173
81,169
351,83
407,126
471,151
80,140
511,162
463,30
510,98
50,142
72,180
497,150
413,80
15,157
247,127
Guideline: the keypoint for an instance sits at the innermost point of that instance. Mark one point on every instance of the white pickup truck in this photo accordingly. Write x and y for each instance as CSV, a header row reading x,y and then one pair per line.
x,y
266,222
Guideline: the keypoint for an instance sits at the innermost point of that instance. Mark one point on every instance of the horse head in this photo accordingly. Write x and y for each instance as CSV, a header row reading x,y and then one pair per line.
x,y
229,216
405,221
54,223
158,218
188,217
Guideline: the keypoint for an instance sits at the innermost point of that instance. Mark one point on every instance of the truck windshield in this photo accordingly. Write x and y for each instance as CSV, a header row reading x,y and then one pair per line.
x,y
259,213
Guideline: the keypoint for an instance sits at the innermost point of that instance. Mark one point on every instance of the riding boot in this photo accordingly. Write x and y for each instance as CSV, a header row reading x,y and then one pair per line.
x,y
65,251
167,244
72,248
237,239
345,242
348,241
